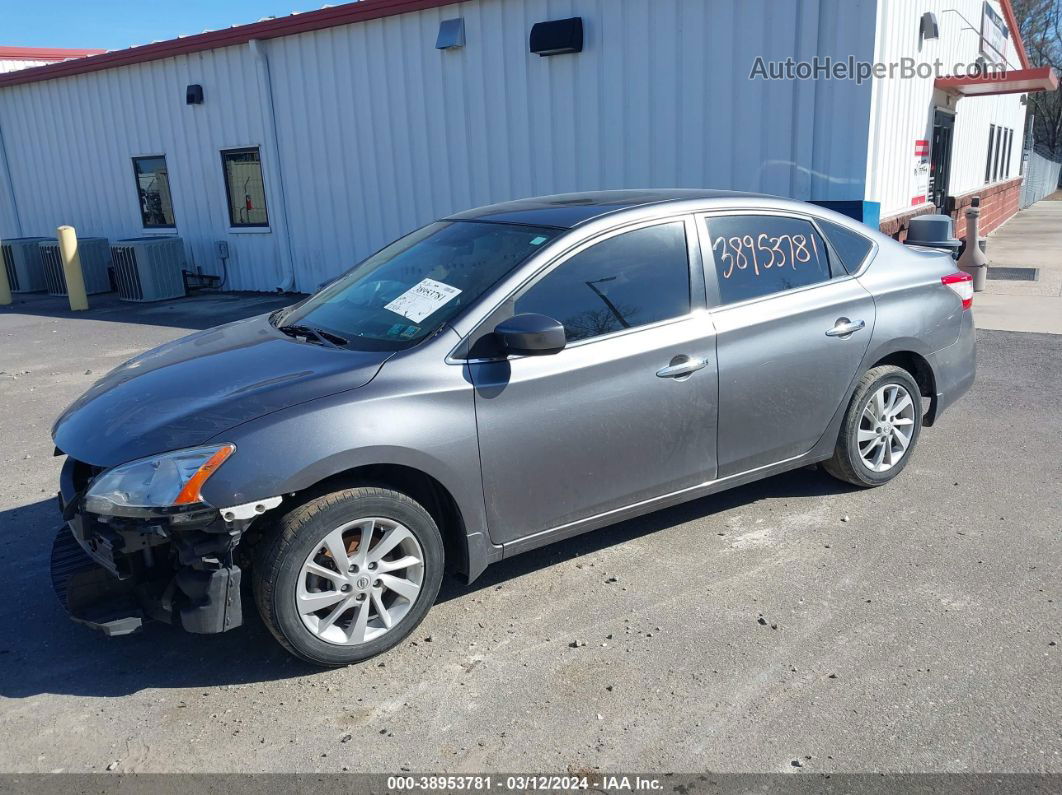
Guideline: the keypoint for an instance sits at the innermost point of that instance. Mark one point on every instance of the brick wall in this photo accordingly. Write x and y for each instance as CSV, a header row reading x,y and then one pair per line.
x,y
896,226
998,203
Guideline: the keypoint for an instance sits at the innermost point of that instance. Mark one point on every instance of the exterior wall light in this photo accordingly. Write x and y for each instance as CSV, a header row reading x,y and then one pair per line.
x,y
557,37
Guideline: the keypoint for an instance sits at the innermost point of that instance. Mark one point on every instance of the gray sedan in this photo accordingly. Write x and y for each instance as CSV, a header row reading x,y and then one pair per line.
x,y
498,380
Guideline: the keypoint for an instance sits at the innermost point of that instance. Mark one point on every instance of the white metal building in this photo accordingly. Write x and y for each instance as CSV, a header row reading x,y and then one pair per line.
x,y
15,58
305,143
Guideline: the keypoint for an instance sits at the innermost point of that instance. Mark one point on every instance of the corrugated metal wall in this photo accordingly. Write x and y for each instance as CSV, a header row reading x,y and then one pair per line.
x,y
902,109
379,132
399,133
70,144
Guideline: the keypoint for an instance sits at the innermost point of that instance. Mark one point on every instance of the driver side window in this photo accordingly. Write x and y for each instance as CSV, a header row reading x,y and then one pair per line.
x,y
629,280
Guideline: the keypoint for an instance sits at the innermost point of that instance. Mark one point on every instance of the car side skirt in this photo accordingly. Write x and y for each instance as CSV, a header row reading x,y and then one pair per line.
x,y
658,503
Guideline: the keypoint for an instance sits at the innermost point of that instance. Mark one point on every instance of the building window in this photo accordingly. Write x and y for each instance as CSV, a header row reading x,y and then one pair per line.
x,y
999,153
244,187
988,163
153,190
1006,153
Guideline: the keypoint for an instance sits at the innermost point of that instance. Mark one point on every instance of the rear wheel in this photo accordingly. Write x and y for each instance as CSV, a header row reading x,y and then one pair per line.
x,y
349,575
880,428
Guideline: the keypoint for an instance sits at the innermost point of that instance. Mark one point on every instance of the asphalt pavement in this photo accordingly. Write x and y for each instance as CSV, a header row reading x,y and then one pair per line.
x,y
793,625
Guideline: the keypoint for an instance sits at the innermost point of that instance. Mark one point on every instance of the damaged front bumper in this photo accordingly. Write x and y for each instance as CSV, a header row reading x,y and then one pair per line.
x,y
114,573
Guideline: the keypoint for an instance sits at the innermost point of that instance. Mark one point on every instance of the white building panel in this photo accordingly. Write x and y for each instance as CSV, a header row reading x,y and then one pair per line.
x,y
377,132
902,108
70,144
380,132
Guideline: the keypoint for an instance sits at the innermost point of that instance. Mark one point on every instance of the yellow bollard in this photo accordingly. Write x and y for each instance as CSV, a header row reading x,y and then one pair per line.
x,y
5,288
75,279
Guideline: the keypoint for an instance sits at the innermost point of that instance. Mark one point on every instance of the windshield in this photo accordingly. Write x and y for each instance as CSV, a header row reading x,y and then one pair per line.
x,y
409,289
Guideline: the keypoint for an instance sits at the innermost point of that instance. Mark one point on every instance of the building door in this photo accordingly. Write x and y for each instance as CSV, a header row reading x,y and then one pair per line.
x,y
940,157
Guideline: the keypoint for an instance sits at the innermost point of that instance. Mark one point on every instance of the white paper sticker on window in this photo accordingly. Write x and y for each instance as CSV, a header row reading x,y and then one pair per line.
x,y
422,299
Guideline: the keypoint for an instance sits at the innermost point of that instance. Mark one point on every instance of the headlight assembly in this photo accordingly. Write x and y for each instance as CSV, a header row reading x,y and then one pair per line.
x,y
162,483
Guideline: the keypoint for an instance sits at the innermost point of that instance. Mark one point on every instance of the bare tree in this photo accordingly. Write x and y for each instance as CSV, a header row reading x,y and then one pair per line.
x,y
1040,25
593,322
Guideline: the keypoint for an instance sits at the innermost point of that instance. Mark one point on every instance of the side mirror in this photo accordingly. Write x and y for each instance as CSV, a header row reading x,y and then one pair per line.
x,y
531,335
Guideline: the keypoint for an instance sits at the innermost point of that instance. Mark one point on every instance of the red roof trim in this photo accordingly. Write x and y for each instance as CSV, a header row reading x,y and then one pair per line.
x,y
269,29
1015,33
43,53
1016,81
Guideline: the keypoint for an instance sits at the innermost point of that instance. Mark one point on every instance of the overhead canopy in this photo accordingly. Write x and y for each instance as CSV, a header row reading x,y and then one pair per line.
x,y
1015,81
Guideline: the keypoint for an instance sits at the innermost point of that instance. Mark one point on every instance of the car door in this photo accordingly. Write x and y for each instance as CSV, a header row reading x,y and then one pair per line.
x,y
626,411
792,328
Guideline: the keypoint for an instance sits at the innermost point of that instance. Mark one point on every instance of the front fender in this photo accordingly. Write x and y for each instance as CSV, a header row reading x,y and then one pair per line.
x,y
417,416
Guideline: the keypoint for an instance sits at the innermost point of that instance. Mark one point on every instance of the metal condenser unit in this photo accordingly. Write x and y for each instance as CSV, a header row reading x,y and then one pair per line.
x,y
149,268
22,261
95,255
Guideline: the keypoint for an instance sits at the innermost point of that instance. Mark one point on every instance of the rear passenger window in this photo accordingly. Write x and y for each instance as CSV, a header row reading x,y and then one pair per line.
x,y
756,255
626,281
850,246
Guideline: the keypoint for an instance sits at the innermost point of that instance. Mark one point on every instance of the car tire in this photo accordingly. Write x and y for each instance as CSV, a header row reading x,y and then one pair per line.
x,y
870,438
302,542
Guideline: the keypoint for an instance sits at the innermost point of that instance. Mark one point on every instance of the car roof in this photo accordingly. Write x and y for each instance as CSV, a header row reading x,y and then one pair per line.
x,y
566,210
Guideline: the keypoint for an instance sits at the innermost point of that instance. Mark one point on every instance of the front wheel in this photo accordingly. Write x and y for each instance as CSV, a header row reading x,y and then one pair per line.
x,y
880,428
349,575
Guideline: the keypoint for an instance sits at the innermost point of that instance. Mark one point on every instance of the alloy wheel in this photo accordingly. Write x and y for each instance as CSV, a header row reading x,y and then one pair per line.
x,y
360,581
885,427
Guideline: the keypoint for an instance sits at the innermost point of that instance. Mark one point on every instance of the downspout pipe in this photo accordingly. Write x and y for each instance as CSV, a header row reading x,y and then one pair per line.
x,y
272,143
5,177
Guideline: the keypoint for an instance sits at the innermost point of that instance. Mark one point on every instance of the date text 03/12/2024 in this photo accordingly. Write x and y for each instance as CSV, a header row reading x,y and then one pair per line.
x,y
522,783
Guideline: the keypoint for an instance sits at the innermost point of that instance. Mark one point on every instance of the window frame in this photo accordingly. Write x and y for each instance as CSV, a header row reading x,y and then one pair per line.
x,y
988,162
136,182
998,155
838,272
1008,141
234,226
502,305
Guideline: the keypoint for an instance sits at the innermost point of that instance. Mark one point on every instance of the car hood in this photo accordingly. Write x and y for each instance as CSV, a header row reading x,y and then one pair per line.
x,y
188,391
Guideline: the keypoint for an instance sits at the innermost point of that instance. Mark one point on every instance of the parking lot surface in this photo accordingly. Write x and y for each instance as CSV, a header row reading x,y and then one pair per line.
x,y
794,624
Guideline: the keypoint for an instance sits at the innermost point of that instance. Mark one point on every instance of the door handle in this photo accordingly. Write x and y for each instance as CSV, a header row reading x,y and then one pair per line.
x,y
844,327
680,366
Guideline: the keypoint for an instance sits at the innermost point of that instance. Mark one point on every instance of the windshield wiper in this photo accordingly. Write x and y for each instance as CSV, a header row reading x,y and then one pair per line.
x,y
317,334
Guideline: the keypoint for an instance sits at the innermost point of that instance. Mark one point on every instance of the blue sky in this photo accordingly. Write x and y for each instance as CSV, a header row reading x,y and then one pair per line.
x,y
116,24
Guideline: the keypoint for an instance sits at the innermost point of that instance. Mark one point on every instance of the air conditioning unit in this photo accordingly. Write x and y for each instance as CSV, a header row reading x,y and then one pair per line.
x,y
149,268
95,254
22,261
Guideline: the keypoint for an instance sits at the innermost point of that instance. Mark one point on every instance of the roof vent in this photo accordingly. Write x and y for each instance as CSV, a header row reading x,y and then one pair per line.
x,y
451,34
557,37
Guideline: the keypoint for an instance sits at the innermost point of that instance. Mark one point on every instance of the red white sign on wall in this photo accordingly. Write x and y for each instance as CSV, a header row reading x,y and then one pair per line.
x,y
921,171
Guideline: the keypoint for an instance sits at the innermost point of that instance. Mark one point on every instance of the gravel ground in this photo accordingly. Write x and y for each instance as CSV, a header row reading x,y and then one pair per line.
x,y
790,625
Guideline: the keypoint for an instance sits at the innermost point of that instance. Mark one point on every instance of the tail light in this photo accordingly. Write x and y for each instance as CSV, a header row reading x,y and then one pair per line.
x,y
962,285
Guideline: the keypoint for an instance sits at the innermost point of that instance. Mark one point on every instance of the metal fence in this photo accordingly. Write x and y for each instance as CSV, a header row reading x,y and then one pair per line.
x,y
1041,179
